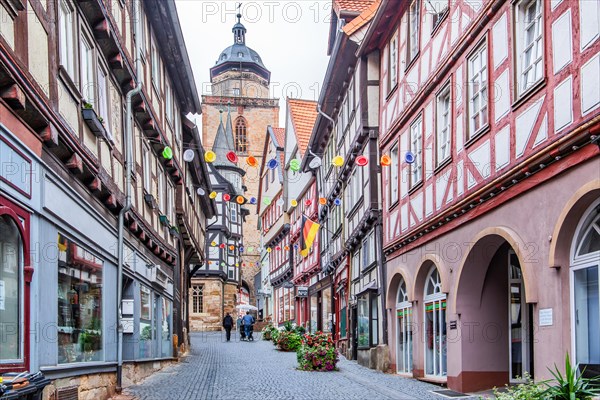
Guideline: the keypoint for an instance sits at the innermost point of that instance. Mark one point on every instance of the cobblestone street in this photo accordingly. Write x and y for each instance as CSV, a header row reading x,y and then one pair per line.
x,y
216,369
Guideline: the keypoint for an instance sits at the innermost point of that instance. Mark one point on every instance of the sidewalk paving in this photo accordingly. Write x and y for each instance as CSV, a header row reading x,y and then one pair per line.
x,y
216,369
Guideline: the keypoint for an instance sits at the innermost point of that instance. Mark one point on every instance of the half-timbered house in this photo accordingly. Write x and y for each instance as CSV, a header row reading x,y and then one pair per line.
x,y
302,188
345,136
274,226
67,74
216,284
489,114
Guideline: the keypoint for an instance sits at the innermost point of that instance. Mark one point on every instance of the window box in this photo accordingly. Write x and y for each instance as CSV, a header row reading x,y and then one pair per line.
x,y
164,220
149,199
93,122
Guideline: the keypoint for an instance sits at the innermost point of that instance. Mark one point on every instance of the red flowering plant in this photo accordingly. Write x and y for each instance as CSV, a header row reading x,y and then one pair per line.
x,y
317,353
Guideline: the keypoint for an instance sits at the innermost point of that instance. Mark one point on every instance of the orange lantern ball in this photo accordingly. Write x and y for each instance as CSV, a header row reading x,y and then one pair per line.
x,y
322,201
386,160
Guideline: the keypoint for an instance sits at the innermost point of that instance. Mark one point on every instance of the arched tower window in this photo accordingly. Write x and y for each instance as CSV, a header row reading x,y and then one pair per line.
x,y
241,136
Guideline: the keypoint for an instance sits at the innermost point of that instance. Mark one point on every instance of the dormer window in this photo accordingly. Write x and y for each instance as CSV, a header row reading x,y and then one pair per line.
x,y
223,56
240,54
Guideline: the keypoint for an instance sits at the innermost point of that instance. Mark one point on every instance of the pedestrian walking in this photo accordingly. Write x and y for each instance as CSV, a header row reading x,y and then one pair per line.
x,y
228,324
248,321
240,327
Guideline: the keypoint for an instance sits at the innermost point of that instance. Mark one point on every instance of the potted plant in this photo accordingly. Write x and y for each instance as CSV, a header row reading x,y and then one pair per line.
x,y
317,353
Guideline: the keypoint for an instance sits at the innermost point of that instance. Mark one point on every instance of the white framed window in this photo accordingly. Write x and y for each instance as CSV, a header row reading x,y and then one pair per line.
x,y
394,173
155,59
412,46
66,35
147,169
171,203
356,264
233,208
88,70
236,92
168,102
197,294
438,10
530,51
416,148
103,99
393,62
161,189
443,125
478,91
177,122
368,251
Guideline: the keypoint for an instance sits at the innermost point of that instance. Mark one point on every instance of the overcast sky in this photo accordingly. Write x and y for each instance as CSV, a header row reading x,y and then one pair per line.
x,y
290,36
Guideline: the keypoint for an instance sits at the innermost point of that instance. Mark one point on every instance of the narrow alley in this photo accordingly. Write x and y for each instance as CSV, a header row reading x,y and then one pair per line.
x,y
216,369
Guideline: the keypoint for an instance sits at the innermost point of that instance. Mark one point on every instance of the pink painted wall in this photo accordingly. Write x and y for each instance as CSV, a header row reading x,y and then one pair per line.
x,y
529,221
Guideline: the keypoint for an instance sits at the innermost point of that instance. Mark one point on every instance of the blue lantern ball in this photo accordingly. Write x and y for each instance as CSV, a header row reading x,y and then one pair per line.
x,y
337,202
272,164
409,157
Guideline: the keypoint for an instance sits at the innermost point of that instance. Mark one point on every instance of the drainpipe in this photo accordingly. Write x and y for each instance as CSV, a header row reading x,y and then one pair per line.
x,y
127,206
324,115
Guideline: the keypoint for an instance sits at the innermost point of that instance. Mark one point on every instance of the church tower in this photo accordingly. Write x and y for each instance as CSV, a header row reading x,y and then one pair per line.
x,y
240,84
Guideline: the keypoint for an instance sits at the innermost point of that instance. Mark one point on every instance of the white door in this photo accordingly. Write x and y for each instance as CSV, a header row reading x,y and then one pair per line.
x,y
435,326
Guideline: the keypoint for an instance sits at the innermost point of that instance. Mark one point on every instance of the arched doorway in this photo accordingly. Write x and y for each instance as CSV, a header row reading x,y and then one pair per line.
x,y
434,309
496,337
585,289
404,331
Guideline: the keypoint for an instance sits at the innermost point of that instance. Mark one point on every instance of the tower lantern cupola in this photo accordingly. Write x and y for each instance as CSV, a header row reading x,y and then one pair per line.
x,y
239,31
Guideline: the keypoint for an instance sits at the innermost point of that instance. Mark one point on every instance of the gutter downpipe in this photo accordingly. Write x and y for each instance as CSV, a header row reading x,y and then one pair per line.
x,y
127,206
333,305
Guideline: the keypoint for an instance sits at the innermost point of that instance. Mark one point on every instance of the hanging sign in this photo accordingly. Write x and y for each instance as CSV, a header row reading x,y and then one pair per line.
x,y
301,291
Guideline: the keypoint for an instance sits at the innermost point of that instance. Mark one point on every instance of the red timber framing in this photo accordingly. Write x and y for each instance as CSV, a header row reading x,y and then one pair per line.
x,y
525,135
21,218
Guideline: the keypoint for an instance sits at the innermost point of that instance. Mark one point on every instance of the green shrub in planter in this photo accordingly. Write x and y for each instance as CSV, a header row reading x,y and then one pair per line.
x,y
267,331
289,341
317,353
275,336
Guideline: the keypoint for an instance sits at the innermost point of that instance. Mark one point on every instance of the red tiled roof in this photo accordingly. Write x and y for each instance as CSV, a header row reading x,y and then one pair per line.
x,y
357,6
280,136
304,114
360,21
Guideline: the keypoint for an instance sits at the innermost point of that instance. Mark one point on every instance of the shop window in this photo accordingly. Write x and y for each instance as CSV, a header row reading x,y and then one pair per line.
x,y
368,322
435,325
145,331
585,289
11,291
326,309
79,304
166,320
343,314
404,333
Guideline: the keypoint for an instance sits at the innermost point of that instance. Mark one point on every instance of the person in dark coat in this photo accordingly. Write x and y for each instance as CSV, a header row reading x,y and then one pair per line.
x,y
228,324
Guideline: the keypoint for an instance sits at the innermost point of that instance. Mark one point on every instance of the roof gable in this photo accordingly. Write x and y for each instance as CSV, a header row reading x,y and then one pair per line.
x,y
303,114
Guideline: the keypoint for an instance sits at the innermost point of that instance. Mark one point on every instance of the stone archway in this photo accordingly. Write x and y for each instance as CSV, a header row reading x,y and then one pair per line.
x,y
491,297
